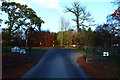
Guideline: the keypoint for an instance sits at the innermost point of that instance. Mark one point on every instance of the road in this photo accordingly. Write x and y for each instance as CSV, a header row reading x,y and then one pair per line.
x,y
57,63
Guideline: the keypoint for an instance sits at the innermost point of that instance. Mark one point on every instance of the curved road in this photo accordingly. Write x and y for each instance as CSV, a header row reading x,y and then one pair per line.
x,y
57,63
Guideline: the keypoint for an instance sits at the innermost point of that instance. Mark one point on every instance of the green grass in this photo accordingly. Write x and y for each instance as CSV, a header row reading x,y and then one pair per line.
x,y
35,49
84,51
108,58
95,54
4,49
9,49
69,48
114,70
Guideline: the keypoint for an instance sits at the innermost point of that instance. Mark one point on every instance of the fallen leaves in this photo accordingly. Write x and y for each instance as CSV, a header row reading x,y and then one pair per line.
x,y
95,70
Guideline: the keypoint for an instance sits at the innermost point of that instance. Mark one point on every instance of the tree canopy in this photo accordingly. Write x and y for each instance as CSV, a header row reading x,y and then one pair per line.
x,y
20,16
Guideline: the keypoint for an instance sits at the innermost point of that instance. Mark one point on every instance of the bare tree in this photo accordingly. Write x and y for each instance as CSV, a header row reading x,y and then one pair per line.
x,y
81,16
64,34
62,28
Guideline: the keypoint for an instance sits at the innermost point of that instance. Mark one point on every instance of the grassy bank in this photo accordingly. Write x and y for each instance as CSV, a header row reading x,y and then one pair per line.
x,y
84,51
106,70
6,48
108,58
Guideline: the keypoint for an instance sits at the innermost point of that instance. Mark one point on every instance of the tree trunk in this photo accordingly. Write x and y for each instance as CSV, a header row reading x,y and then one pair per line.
x,y
77,24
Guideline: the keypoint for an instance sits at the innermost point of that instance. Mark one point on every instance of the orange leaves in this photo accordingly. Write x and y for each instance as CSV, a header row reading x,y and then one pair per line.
x,y
48,39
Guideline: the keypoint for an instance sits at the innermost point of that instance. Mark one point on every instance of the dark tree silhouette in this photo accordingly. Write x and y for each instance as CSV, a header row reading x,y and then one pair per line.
x,y
81,16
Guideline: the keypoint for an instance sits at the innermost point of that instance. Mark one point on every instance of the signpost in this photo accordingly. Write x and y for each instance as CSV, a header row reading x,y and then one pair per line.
x,y
105,53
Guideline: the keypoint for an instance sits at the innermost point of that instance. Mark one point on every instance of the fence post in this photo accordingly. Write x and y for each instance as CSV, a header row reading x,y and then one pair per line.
x,y
30,50
87,55
6,54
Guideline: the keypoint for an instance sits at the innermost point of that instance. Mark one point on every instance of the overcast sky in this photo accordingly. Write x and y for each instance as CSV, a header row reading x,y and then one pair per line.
x,y
51,11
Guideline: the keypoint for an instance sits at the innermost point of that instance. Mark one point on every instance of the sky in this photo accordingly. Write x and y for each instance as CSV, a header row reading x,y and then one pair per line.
x,y
51,11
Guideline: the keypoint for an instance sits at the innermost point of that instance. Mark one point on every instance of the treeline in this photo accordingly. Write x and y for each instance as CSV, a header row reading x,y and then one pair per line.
x,y
24,29
98,38
35,39
21,20
101,37
105,35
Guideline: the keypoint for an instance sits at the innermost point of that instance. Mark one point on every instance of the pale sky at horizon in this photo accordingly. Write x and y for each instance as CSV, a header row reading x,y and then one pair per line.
x,y
51,11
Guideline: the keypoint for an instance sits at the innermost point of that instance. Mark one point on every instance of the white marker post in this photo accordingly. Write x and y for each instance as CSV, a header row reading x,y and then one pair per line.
x,y
105,53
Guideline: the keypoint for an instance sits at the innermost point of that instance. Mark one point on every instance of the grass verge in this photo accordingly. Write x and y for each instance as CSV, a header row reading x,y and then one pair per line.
x,y
35,49
32,49
99,70
108,58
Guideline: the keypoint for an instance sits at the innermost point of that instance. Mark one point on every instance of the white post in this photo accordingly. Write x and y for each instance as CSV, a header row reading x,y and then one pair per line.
x,y
53,43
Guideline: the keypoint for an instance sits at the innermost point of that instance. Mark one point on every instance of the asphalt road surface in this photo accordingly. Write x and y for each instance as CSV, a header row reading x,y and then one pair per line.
x,y
57,63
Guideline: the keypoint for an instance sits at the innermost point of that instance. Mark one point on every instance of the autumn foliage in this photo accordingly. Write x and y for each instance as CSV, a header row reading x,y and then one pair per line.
x,y
43,38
